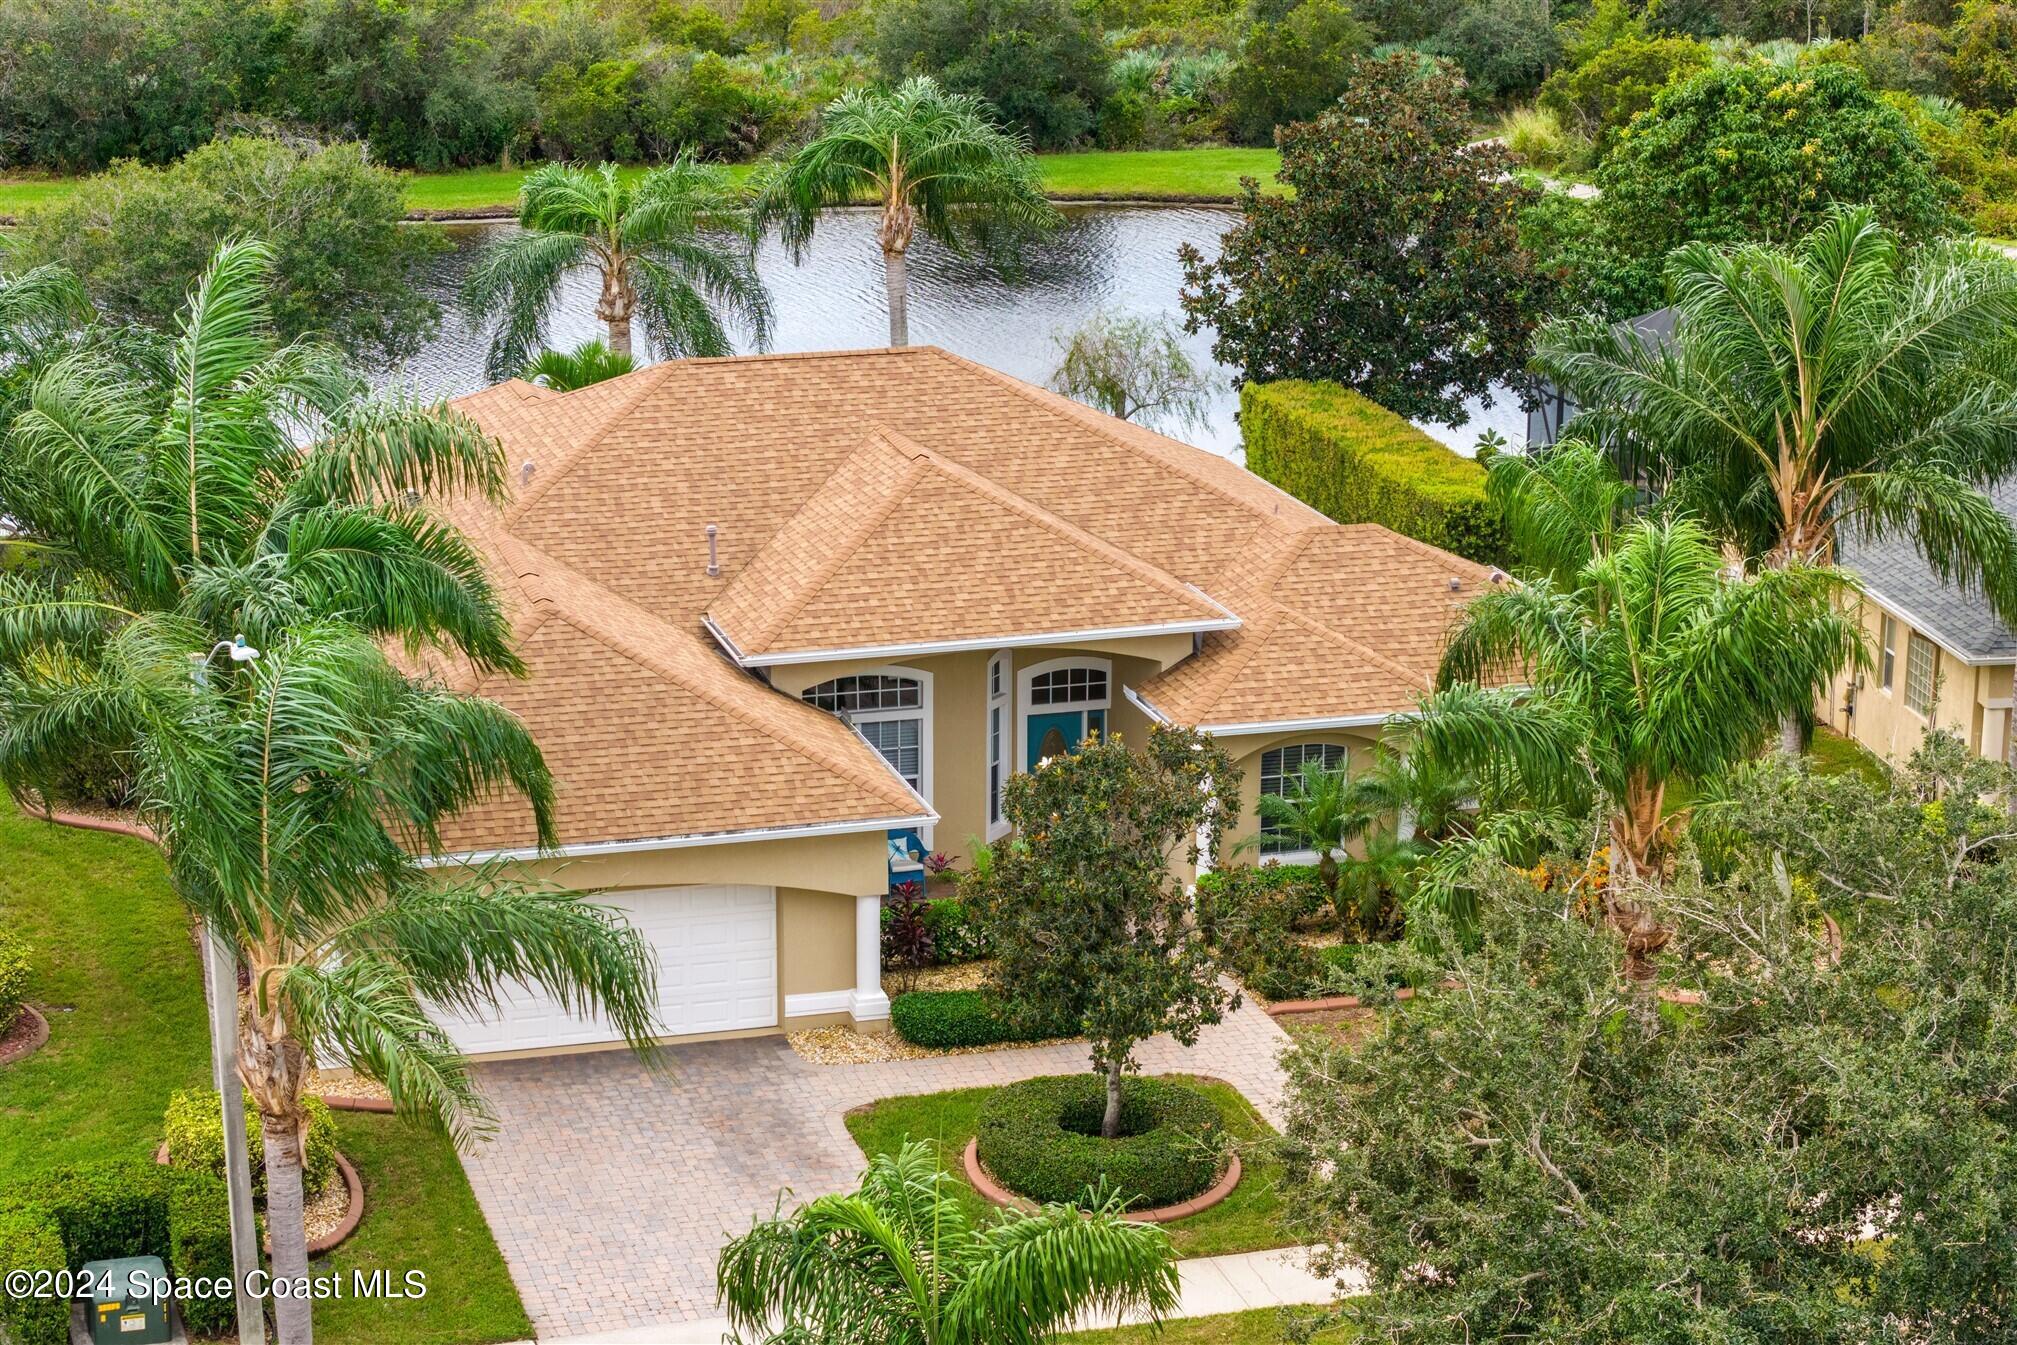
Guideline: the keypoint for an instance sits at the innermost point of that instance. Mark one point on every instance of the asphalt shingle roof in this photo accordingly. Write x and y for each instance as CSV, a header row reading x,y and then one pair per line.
x,y
1958,618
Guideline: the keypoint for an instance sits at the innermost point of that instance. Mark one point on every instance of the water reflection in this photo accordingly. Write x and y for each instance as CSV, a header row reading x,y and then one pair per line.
x,y
1114,257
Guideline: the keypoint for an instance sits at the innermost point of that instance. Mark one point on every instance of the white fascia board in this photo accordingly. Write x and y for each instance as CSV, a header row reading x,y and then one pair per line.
x,y
1296,725
589,848
1919,624
1142,703
990,642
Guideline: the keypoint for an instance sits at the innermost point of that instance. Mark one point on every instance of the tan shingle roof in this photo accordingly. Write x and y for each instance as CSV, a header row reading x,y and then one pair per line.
x,y
877,498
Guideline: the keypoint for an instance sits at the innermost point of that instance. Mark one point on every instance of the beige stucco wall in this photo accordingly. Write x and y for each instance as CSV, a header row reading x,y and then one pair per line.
x,y
815,949
1969,700
1246,750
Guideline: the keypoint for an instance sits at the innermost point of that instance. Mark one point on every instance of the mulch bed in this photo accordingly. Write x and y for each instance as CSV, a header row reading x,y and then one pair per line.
x,y
25,1036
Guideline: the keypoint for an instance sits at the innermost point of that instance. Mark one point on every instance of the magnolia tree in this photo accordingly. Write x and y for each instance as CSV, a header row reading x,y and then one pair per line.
x,y
1090,923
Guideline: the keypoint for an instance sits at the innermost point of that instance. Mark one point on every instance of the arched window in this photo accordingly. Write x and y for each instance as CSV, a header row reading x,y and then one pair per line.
x,y
1280,767
891,710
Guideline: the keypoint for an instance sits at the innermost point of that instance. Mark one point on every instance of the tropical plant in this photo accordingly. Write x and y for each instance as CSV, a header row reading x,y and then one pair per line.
x,y
565,370
1134,368
1373,886
932,160
1322,811
41,309
1654,666
187,493
290,794
1089,923
903,1259
671,246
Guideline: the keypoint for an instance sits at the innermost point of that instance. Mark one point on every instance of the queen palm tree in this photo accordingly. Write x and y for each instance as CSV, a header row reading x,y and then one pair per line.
x,y
184,490
672,246
565,370
930,159
41,309
902,1260
1654,666
1320,811
290,794
1847,382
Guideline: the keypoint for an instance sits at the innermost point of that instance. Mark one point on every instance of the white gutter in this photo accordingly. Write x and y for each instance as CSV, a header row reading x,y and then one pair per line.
x,y
589,848
1140,702
1940,639
919,649
1289,725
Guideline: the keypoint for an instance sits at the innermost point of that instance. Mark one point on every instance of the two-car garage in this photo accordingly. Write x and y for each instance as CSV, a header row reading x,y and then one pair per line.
x,y
717,972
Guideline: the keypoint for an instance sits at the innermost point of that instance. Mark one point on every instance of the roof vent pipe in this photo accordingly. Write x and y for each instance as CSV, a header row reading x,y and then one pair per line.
x,y
713,559
525,472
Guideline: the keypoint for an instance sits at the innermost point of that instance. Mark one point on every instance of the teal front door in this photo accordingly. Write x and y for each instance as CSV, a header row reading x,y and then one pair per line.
x,y
1052,733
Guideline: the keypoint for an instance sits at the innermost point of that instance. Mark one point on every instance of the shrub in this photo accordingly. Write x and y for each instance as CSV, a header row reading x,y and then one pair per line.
x,y
1038,62
1504,47
199,1246
195,1133
1360,463
13,978
30,1240
1536,135
1250,915
1600,98
947,1019
105,1210
1292,69
1984,66
1040,1138
948,928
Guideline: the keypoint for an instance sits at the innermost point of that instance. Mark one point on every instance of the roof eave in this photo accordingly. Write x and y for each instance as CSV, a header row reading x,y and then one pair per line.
x,y
688,840
1945,641
919,649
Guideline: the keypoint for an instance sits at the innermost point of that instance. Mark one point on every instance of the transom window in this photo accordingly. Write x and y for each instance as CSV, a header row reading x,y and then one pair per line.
x,y
866,692
1069,686
1919,674
1281,769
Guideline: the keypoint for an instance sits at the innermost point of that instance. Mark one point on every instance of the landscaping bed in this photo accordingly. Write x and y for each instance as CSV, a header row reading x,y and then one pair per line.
x,y
1249,1219
1040,1139
1258,1326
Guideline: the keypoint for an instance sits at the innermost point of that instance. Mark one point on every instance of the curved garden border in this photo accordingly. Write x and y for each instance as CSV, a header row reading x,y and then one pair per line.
x,y
344,1102
353,1213
1284,1007
995,1193
25,1044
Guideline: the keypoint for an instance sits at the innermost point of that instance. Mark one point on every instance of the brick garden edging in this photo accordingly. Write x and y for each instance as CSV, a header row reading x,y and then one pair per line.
x,y
26,1043
353,1212
995,1193
1329,1004
344,1102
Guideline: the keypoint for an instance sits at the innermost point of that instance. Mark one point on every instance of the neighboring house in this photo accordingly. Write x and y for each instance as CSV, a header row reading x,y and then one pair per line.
x,y
1940,654
794,620
1553,408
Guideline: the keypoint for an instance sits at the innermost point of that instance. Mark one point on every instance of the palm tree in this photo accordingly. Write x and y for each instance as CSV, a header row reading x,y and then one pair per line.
x,y
1846,382
186,492
41,309
1654,666
672,246
932,160
289,795
1321,811
1374,885
565,370
901,1260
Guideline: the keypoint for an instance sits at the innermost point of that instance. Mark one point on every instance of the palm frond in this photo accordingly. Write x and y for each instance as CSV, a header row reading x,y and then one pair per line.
x,y
1034,1275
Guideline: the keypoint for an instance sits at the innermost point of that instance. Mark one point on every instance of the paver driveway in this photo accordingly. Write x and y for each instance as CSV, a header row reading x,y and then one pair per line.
x,y
611,1189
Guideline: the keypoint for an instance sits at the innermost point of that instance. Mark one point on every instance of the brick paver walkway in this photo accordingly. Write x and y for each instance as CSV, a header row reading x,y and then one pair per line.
x,y
611,1189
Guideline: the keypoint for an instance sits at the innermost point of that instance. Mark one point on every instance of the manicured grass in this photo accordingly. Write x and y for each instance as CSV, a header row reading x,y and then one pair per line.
x,y
118,978
1132,174
419,1215
1260,1326
1832,754
1247,1220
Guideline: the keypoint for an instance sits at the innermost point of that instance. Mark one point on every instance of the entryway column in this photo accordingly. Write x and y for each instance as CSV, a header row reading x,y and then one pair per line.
x,y
867,1004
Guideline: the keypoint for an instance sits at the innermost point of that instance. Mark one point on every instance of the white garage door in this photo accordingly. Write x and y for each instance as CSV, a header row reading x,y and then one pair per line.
x,y
717,971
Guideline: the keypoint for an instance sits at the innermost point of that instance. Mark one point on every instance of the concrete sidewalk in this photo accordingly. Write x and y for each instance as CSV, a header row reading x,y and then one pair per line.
x,y
1210,1285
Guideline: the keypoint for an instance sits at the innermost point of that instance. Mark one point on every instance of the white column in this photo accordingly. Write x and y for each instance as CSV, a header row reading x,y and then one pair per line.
x,y
867,1002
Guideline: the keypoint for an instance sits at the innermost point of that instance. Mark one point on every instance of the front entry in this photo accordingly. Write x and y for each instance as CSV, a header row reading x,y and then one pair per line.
x,y
1053,733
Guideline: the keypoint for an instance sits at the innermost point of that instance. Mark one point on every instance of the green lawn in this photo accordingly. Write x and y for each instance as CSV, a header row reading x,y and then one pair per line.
x,y
118,977
1261,1326
115,966
1247,1220
1135,174
419,1213
1832,754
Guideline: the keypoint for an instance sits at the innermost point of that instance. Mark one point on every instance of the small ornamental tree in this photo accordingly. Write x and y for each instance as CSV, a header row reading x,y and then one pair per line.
x,y
1090,924
1396,267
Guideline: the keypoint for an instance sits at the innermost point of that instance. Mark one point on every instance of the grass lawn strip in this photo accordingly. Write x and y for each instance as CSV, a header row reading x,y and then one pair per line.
x,y
1212,173
1249,1220
1259,1326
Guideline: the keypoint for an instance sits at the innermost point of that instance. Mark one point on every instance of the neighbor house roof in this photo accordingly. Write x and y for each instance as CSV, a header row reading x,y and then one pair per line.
x,y
871,503
1899,578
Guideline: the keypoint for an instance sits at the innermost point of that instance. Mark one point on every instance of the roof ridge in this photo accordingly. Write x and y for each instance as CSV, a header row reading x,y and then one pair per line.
x,y
1063,528
1427,549
1242,653
1374,656
649,379
622,645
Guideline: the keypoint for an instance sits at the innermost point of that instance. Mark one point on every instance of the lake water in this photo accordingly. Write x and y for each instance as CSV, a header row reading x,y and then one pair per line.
x,y
1119,258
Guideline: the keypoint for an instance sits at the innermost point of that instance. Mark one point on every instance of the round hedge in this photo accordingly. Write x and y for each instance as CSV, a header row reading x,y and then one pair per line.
x,y
1041,1139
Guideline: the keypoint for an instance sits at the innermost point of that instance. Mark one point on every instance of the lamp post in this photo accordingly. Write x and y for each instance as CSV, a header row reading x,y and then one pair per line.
x,y
220,967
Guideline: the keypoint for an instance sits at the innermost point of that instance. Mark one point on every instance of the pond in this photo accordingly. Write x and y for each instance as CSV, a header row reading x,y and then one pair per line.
x,y
1121,258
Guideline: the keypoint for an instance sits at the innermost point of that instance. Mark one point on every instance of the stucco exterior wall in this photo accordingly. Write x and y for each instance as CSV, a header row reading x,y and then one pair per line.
x,y
815,951
1247,750
1970,700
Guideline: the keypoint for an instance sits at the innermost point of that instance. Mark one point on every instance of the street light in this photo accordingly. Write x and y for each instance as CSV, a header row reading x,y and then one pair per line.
x,y
220,966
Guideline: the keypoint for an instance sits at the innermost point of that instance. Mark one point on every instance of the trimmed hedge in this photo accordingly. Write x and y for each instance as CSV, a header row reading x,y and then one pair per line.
x,y
944,1019
117,1208
1358,462
194,1125
30,1240
1041,1139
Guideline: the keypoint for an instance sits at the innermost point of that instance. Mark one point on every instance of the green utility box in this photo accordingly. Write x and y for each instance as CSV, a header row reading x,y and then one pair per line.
x,y
124,1310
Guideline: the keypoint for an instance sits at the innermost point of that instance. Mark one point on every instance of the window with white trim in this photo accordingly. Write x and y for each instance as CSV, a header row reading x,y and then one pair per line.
x,y
1919,674
888,709
997,739
1281,770
1889,667
1077,685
